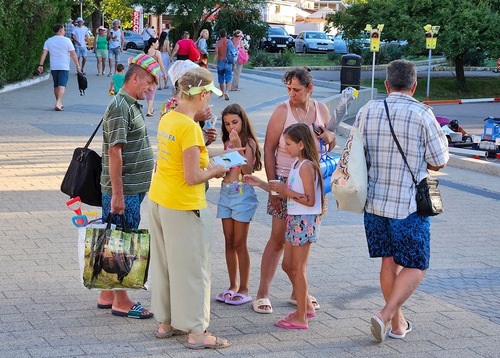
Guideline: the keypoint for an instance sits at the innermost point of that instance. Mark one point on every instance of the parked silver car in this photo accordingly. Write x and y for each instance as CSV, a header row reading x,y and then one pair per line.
x,y
313,41
132,40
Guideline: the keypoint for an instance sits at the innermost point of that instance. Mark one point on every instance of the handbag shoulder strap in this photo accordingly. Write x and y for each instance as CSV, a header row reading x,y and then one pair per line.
x,y
93,134
397,142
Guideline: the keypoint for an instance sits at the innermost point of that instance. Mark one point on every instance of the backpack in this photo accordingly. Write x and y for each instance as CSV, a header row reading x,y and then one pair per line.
x,y
194,54
242,56
231,53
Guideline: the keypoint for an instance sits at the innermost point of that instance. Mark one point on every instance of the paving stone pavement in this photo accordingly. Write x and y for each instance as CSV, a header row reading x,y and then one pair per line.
x,y
46,312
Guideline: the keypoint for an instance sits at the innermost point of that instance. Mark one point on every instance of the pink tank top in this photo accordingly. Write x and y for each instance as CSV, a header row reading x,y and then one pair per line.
x,y
283,159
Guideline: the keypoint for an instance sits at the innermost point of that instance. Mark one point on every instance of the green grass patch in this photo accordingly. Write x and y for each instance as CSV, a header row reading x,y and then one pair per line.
x,y
316,59
448,88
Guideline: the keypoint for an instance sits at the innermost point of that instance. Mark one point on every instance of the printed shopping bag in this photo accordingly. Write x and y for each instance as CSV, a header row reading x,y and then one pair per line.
x,y
350,178
112,258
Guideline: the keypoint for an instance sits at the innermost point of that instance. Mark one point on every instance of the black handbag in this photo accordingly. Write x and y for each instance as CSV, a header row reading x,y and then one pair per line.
x,y
83,177
428,197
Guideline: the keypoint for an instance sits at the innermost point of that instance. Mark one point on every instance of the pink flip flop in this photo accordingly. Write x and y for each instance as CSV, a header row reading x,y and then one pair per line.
x,y
286,324
309,315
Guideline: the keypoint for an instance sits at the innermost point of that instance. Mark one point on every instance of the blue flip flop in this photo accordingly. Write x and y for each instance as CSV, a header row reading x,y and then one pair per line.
x,y
134,312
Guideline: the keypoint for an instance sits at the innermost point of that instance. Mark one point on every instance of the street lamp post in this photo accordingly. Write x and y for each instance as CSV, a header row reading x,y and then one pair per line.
x,y
81,12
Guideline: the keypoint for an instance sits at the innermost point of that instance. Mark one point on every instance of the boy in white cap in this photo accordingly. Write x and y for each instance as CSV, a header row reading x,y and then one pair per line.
x,y
80,36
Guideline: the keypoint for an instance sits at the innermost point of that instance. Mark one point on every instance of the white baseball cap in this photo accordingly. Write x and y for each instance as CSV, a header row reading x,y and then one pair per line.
x,y
179,68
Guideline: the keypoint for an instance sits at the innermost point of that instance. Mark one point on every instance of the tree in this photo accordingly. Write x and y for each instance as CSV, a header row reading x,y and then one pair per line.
x,y
463,25
195,12
246,20
117,9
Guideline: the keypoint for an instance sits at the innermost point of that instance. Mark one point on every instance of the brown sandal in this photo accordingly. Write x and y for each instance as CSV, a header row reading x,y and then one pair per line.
x,y
199,342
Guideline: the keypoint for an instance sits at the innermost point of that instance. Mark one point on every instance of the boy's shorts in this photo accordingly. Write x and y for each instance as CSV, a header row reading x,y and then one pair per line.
x,y
407,240
301,229
60,78
236,206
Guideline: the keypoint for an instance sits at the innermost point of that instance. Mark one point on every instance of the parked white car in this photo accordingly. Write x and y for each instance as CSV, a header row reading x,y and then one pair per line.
x,y
313,41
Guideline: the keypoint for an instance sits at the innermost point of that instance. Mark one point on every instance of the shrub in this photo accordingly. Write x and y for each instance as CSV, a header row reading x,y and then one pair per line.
x,y
260,58
475,57
387,53
283,59
336,58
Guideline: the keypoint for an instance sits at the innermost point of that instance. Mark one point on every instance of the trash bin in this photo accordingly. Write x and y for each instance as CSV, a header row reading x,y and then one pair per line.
x,y
350,72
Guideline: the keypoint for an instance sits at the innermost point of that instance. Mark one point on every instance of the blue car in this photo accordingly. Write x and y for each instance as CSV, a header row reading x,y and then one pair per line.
x,y
339,44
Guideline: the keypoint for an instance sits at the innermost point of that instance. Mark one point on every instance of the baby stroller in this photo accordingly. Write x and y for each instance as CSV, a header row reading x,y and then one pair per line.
x,y
82,83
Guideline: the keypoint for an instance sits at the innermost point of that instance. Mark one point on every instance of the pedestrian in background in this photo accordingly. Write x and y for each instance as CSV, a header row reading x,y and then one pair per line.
x,y
237,66
181,49
146,34
116,40
61,50
80,36
101,50
202,46
224,69
127,166
152,50
164,47
68,29
394,230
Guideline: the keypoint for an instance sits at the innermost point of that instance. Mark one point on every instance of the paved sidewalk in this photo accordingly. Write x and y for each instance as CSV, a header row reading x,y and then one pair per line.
x,y
47,313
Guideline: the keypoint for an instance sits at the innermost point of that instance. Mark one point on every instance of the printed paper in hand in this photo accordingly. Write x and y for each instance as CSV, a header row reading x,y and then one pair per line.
x,y
229,160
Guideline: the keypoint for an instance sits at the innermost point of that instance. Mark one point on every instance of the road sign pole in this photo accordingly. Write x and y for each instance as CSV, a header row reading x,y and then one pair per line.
x,y
373,75
429,76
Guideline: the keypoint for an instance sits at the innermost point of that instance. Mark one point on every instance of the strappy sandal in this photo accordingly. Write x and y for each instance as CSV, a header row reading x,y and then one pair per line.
x,y
169,331
199,342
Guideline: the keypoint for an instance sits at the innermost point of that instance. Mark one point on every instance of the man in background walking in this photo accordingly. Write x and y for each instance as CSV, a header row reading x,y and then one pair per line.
x,y
68,29
116,40
80,36
61,50
224,68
